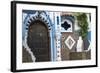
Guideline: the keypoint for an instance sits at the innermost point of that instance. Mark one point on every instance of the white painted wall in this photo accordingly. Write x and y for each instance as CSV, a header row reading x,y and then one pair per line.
x,y
5,36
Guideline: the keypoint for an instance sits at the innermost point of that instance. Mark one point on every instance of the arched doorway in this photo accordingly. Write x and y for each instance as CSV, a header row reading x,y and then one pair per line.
x,y
38,40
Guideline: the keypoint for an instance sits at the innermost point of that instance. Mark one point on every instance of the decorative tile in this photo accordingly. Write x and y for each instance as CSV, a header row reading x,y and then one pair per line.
x,y
67,22
69,42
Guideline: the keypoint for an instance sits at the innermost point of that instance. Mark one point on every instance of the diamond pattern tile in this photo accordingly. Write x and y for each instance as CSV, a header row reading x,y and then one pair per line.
x,y
70,42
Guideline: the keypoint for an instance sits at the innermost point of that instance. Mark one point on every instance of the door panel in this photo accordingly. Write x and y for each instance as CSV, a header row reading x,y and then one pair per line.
x,y
38,41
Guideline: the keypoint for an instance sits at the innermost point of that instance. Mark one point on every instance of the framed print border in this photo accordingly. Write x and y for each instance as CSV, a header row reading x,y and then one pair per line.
x,y
17,12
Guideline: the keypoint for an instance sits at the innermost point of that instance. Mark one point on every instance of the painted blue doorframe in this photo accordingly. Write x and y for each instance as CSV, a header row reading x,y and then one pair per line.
x,y
27,16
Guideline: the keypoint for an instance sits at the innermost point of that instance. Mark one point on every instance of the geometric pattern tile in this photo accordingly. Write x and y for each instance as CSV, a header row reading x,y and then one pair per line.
x,y
70,42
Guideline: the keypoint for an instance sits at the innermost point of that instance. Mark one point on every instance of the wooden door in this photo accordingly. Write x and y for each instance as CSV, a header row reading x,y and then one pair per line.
x,y
38,41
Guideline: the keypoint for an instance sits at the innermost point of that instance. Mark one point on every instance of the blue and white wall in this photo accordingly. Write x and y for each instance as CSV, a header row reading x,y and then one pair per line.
x,y
53,21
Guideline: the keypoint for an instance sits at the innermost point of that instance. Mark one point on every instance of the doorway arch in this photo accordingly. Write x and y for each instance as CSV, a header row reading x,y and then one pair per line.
x,y
38,40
